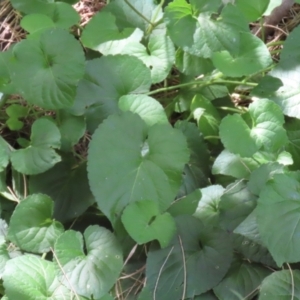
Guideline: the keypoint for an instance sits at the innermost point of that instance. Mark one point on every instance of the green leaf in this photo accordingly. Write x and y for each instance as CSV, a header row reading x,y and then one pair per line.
x,y
29,277
39,232
35,24
5,151
67,184
93,273
127,17
39,156
64,15
191,64
190,32
242,279
263,174
197,171
204,5
292,127
46,71
98,93
146,164
287,97
237,202
281,285
14,124
16,111
208,207
144,223
149,109
266,133
252,56
178,269
206,115
185,205
159,55
247,241
95,34
33,6
278,212
266,86
233,165
72,128
252,10
6,85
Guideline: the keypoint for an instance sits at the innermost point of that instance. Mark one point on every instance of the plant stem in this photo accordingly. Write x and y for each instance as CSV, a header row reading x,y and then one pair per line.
x,y
232,109
201,82
212,137
277,43
137,12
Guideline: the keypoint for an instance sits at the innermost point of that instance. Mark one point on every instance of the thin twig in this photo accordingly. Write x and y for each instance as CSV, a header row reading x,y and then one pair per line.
x,y
160,271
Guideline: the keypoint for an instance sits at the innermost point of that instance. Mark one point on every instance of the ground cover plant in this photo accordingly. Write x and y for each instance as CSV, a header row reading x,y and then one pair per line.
x,y
152,153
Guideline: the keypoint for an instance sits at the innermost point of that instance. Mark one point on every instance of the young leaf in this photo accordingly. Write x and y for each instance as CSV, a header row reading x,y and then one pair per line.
x,y
144,223
38,232
39,156
278,217
242,279
67,184
284,284
46,71
251,56
202,251
266,133
149,109
29,277
233,165
147,163
93,273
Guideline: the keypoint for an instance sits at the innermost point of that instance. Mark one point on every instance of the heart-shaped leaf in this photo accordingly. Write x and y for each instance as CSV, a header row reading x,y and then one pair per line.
x,y
39,156
29,277
241,280
38,232
47,70
265,133
94,273
251,57
144,222
146,164
284,284
177,271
